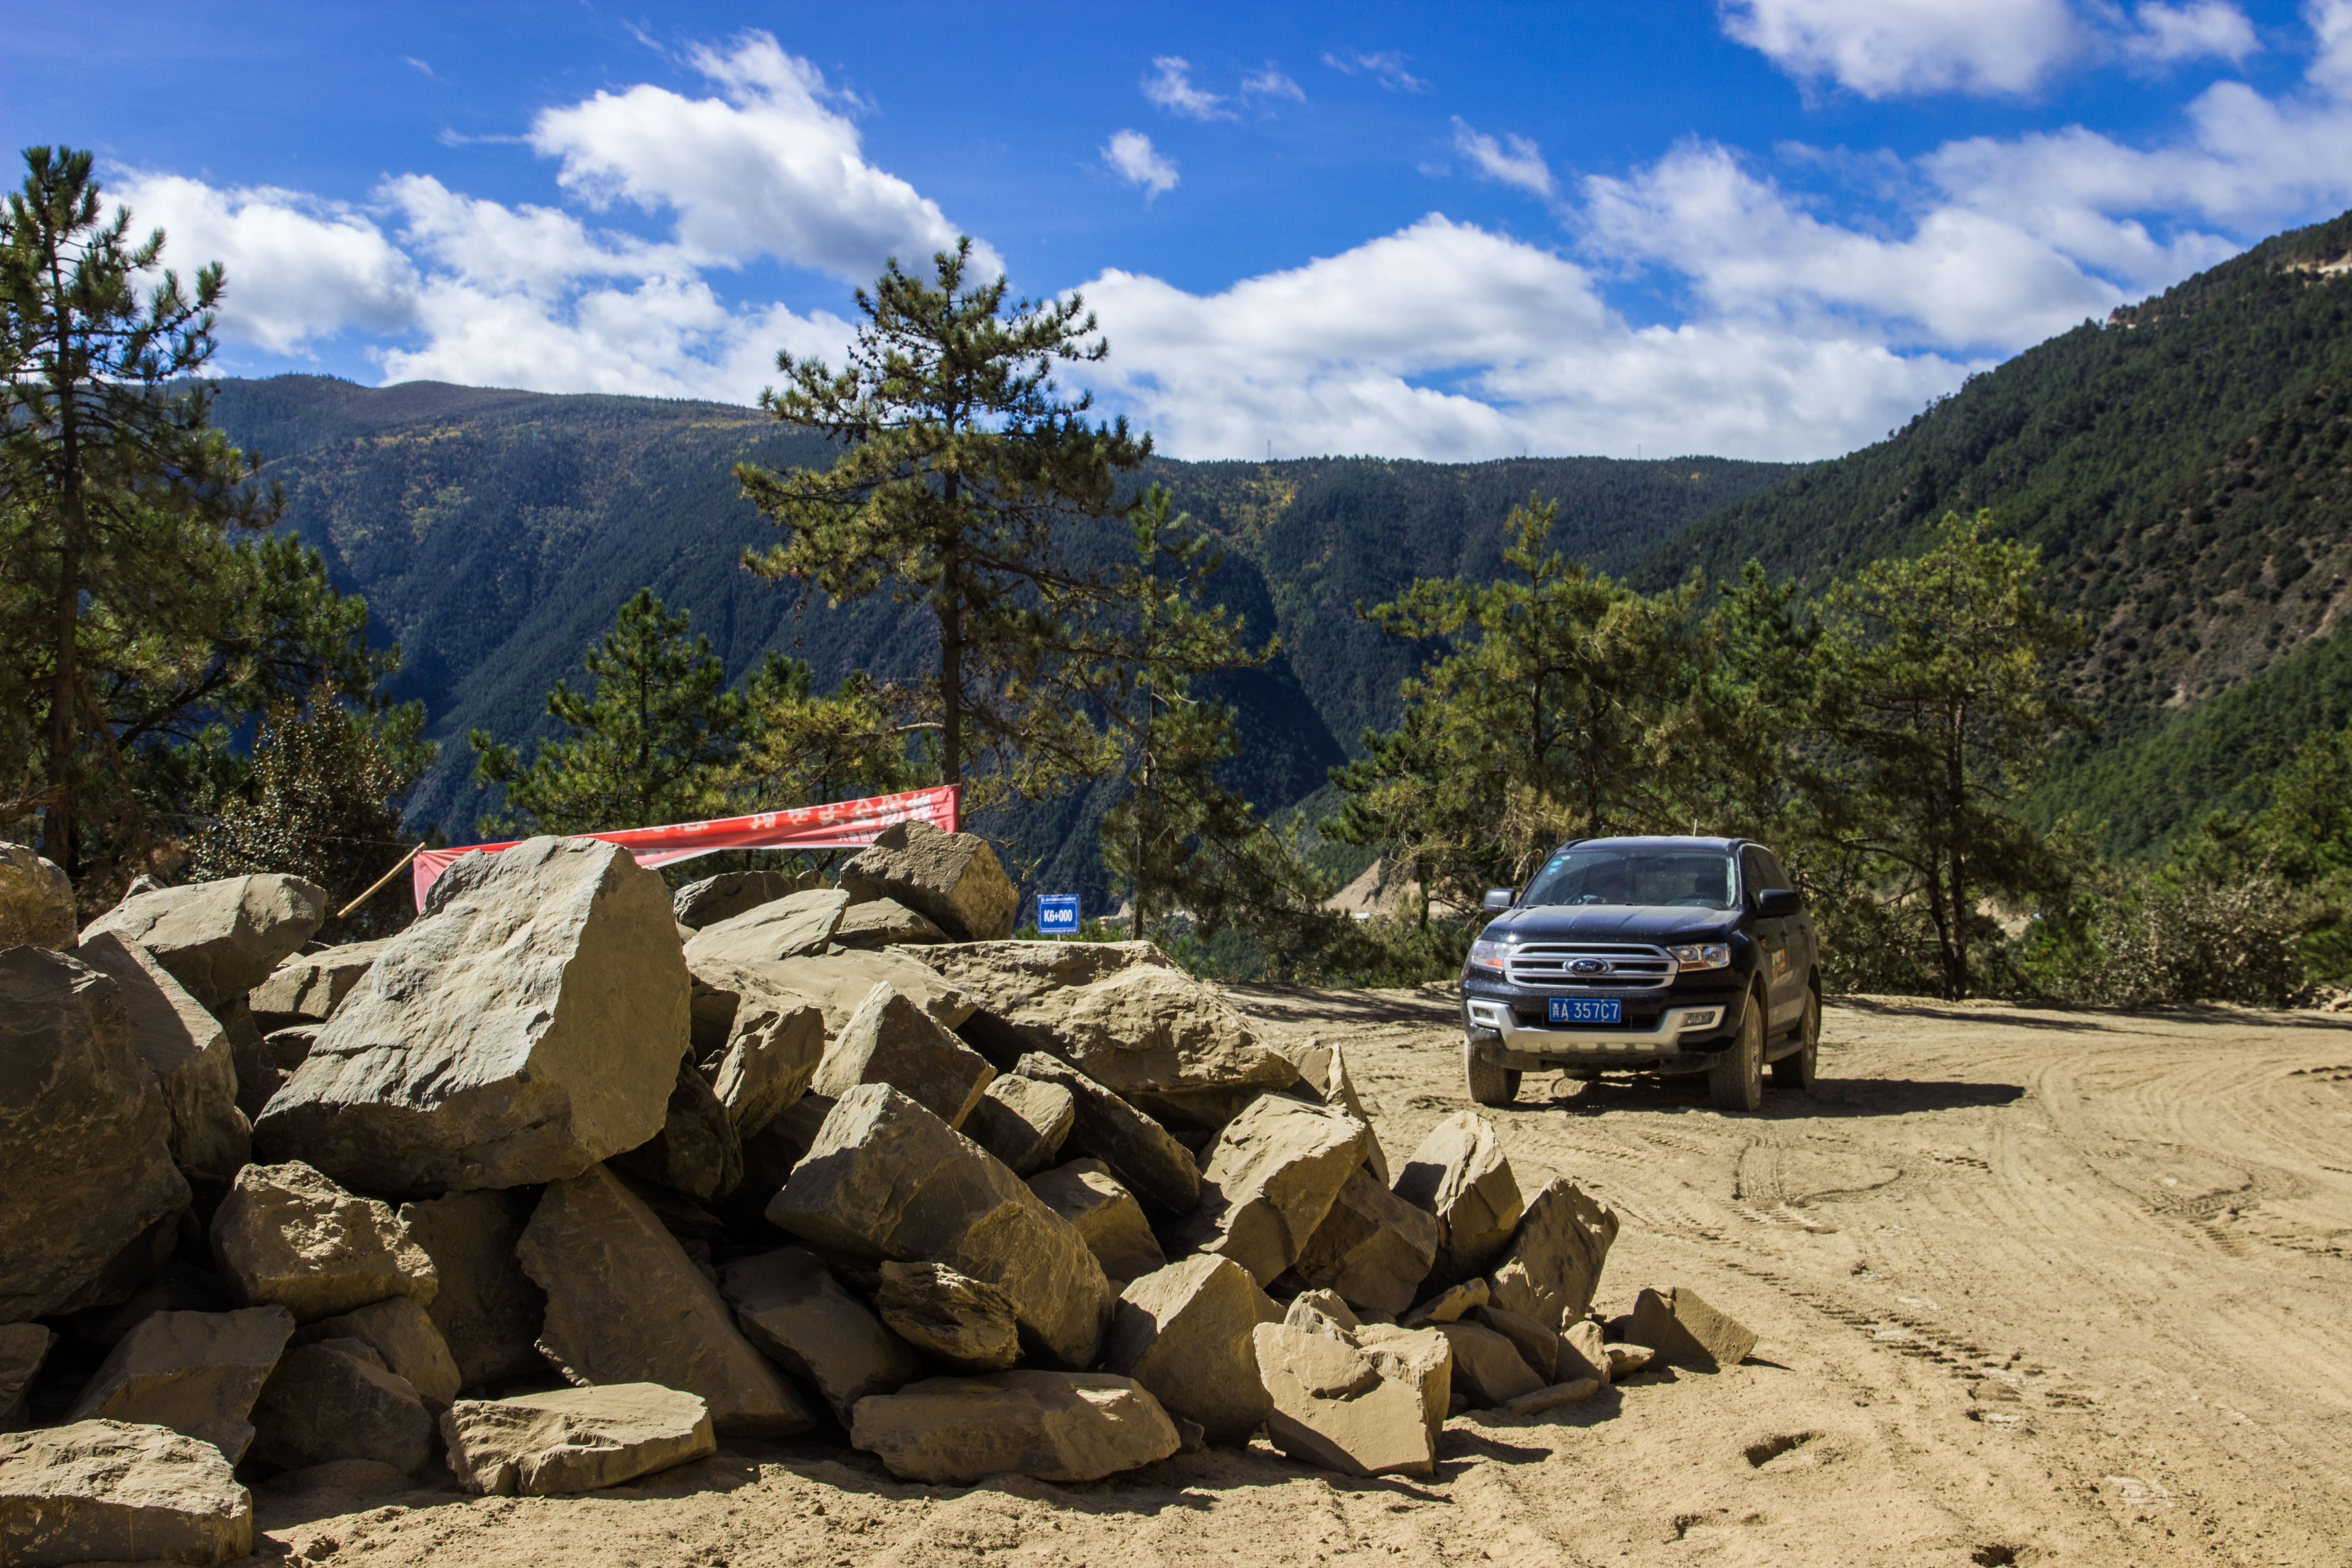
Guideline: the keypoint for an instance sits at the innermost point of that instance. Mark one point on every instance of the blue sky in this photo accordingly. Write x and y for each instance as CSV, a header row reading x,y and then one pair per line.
x,y
1766,228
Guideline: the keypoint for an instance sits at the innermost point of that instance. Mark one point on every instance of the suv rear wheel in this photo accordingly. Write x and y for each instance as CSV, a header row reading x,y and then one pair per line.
x,y
1795,1071
1734,1080
1491,1083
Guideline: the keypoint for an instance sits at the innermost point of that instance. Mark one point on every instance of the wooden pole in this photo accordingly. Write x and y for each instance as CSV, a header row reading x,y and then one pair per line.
x,y
345,912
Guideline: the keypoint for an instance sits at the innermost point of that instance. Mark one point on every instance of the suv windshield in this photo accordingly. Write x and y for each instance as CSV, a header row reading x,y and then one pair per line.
x,y
1691,878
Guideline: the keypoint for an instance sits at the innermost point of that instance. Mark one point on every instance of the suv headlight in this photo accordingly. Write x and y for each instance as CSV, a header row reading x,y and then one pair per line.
x,y
1703,955
1491,955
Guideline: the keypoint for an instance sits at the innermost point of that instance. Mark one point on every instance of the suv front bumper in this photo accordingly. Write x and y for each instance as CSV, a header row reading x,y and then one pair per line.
x,y
1682,1038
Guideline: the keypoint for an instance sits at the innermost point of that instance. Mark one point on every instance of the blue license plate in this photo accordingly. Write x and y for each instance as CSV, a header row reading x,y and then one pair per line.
x,y
1587,1010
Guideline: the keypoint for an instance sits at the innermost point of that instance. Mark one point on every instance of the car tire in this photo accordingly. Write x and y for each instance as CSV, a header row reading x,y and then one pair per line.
x,y
1491,1083
1734,1080
1795,1071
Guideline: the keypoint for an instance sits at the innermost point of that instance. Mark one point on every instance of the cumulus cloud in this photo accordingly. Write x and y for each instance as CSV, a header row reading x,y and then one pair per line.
x,y
2202,29
1130,155
1883,47
1519,163
1387,67
1170,86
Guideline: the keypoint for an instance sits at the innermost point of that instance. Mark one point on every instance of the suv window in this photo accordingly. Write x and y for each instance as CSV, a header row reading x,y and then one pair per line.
x,y
1775,874
1671,876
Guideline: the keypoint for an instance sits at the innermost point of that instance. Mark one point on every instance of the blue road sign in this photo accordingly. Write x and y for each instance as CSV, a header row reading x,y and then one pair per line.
x,y
1057,914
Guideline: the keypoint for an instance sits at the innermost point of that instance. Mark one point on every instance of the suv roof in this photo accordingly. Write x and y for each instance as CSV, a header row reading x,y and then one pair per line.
x,y
1661,841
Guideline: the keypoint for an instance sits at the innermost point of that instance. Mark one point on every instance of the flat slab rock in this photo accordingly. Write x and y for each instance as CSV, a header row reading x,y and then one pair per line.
x,y
730,893
527,1026
109,1491
310,986
574,1440
1049,1425
220,938
195,1373
793,926
882,922
839,983
788,1303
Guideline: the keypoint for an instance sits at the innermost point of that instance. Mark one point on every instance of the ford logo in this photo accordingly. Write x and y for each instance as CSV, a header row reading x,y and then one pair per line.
x,y
1589,966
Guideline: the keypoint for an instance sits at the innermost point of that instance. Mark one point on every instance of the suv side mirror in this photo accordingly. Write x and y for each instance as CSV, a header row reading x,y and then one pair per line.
x,y
1497,898
1774,903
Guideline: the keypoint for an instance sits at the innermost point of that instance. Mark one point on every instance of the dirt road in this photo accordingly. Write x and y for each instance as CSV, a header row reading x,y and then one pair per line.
x,y
2034,1287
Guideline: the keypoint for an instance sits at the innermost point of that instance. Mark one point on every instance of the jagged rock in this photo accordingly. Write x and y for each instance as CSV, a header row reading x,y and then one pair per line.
x,y
1145,1157
259,1076
1624,1361
967,1324
625,1305
288,1235
881,922
220,938
1272,1177
187,1050
1372,1248
1185,1333
107,1491
1581,1354
336,1400
195,1373
699,905
886,1178
308,987
23,1348
527,1026
1575,1391
487,1309
952,877
1022,1121
1685,1331
789,1304
1554,1259
286,1050
773,1042
574,1440
1460,1175
1448,1305
840,982
1050,1425
790,927
85,1172
1363,1409
36,900
1487,1368
1323,1069
405,1338
1106,1215
1538,1345
1322,1303
696,1151
890,1039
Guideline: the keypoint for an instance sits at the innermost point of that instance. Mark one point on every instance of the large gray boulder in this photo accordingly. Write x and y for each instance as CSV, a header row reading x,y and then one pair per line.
x,y
885,922
529,1025
1106,1215
1145,1156
195,1373
790,927
888,1179
187,1050
1553,1262
287,1235
1460,1175
1187,1333
699,905
487,1307
1022,1121
1372,1248
1051,1425
624,1304
1272,1177
36,900
220,938
789,1304
1363,1402
966,1324
404,1338
308,987
23,1348
574,1440
952,878
890,1039
109,1491
86,1182
336,1400
698,1152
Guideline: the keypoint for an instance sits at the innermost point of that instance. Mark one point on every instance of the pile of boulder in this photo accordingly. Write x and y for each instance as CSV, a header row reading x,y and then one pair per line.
x,y
573,1178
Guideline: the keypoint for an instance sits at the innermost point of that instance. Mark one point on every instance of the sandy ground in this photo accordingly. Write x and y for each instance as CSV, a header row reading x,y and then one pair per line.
x,y
2034,1287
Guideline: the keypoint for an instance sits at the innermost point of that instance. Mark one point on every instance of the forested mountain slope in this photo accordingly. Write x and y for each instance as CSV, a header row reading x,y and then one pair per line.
x,y
2184,467
495,533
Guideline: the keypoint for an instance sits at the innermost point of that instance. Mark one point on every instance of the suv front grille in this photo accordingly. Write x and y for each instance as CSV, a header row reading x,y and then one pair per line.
x,y
1598,966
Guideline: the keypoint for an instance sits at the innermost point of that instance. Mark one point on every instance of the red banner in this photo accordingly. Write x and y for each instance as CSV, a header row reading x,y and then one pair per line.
x,y
839,825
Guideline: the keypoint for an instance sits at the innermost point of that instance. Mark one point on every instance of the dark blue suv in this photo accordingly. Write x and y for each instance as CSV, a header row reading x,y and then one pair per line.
x,y
1647,955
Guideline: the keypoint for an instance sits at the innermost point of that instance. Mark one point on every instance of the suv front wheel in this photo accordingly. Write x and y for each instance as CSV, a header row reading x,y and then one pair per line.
x,y
1491,1083
1734,1080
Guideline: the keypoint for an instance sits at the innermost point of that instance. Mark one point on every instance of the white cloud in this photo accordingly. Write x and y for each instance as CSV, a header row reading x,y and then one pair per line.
x,y
1883,47
766,169
2199,29
1130,155
1170,86
1519,163
1387,67
1272,83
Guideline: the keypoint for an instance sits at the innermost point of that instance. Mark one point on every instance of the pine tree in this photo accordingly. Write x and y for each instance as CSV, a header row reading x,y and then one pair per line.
x,y
801,749
965,472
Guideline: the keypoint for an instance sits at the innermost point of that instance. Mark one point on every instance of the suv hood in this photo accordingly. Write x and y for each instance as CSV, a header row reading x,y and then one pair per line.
x,y
1612,922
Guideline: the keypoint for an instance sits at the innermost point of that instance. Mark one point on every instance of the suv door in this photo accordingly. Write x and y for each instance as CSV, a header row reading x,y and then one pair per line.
x,y
1783,970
